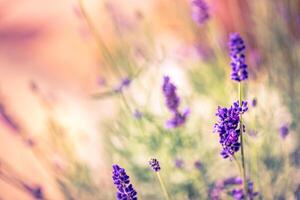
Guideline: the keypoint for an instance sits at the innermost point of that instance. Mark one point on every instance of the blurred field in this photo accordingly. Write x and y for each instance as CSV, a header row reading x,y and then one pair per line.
x,y
65,116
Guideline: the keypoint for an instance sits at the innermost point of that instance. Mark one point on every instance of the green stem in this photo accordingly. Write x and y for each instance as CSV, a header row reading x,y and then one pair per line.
x,y
242,143
163,187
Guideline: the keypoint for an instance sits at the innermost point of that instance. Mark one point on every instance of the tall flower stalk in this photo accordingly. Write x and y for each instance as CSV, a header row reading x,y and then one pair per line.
x,y
239,73
155,166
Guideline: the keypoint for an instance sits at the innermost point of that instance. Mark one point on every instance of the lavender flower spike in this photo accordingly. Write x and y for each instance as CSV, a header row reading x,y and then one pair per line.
x,y
284,131
238,60
199,11
154,164
172,102
169,90
122,182
228,127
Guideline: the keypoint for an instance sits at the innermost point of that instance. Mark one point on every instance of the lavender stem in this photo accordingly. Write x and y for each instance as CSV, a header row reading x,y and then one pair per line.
x,y
163,187
242,142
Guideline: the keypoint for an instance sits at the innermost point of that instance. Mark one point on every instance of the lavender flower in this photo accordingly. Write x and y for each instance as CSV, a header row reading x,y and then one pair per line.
x,y
179,163
154,164
35,191
238,194
228,128
172,102
8,120
124,84
122,182
177,120
235,180
137,114
238,61
172,99
199,11
284,131
198,165
254,102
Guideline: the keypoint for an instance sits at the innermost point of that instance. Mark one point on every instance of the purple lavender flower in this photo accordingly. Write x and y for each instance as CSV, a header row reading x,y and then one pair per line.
x,y
254,102
177,120
35,191
172,99
238,61
124,84
228,128
199,11
154,164
122,182
179,163
137,114
235,180
238,194
172,102
8,120
198,165
284,131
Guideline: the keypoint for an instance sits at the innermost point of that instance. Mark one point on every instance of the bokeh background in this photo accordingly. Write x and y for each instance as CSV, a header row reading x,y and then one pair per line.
x,y
66,117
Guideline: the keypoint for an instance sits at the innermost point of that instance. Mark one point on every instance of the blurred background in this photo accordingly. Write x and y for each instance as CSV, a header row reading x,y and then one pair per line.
x,y
80,90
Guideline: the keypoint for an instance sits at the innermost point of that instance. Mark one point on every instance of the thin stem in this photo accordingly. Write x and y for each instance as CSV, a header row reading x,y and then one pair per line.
x,y
100,43
163,187
242,143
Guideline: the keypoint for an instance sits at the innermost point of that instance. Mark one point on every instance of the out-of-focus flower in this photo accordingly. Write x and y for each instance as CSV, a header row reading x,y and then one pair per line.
x,y
122,182
154,164
235,180
199,11
35,191
284,131
228,127
177,120
7,119
238,61
198,165
238,194
172,102
137,114
179,163
172,99
124,84
254,102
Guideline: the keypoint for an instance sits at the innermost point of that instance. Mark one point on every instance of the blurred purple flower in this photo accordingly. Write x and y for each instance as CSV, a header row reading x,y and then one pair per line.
x,y
154,164
238,194
124,84
179,163
137,114
172,102
238,61
284,131
228,128
122,182
177,120
8,120
199,11
35,191
198,165
235,180
254,102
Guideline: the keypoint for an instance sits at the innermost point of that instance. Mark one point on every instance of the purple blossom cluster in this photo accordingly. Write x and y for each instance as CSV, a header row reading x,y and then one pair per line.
x,y
199,11
124,84
216,191
172,102
154,164
284,131
228,127
238,61
122,182
238,194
